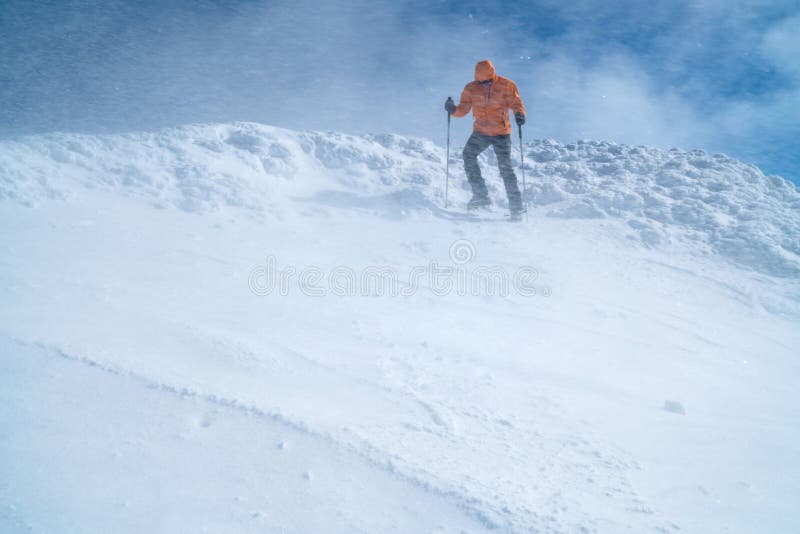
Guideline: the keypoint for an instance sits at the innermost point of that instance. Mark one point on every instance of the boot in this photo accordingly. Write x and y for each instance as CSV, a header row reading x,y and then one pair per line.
x,y
515,212
479,202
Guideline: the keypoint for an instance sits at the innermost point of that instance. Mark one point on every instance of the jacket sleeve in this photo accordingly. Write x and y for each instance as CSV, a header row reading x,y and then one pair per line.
x,y
514,100
464,105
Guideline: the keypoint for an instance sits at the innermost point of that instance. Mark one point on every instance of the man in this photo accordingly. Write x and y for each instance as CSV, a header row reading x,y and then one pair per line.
x,y
490,97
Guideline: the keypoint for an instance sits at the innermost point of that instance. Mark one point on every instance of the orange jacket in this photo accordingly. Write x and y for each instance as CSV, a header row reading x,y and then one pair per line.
x,y
490,102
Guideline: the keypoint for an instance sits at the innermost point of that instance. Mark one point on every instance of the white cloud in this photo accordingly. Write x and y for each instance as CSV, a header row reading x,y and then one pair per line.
x,y
781,46
614,99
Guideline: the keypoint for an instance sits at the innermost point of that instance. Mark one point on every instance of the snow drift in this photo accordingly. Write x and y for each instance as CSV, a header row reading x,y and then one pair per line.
x,y
648,384
712,201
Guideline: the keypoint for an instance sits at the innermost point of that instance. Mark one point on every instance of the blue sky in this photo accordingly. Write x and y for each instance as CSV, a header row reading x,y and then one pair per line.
x,y
722,76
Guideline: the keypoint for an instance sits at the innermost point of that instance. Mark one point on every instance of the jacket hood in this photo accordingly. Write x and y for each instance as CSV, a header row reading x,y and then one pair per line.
x,y
484,70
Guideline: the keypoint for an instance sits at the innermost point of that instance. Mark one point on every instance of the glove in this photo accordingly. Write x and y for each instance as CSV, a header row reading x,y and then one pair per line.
x,y
520,118
450,106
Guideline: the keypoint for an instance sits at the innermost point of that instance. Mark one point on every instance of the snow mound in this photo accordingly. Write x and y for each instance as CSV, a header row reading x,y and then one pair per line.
x,y
713,202
209,167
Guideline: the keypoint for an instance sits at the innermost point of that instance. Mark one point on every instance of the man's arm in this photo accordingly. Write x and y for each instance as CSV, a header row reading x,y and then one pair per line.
x,y
515,101
464,105
516,105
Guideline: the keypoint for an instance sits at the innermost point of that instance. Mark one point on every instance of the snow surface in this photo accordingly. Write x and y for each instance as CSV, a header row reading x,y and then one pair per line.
x,y
649,383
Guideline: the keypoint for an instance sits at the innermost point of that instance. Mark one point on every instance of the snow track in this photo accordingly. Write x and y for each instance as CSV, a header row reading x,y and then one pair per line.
x,y
179,460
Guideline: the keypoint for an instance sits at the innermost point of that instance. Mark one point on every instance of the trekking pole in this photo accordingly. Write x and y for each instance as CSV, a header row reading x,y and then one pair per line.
x,y
447,164
522,166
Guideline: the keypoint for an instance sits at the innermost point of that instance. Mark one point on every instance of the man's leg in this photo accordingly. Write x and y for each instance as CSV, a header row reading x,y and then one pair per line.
x,y
476,144
502,149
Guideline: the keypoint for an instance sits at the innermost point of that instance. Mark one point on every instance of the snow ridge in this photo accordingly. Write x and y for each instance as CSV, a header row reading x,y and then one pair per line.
x,y
712,202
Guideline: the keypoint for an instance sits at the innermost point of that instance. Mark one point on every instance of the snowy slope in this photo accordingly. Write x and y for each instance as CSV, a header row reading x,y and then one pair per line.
x,y
715,202
647,382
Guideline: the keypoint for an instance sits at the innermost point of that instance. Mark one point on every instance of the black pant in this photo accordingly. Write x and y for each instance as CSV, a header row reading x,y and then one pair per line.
x,y
502,149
